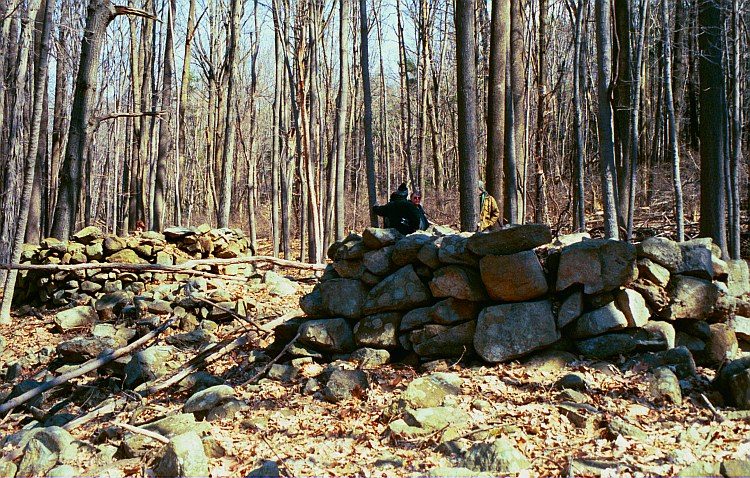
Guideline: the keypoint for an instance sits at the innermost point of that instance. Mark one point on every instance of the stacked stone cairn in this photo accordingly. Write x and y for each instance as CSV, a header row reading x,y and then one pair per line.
x,y
503,295
175,245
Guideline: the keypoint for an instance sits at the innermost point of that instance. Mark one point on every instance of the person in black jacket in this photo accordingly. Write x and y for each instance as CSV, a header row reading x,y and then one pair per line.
x,y
416,199
400,213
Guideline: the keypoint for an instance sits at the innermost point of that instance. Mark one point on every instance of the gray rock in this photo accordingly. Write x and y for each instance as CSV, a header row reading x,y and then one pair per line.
x,y
279,285
37,459
110,305
618,426
226,410
7,468
198,381
415,319
63,471
379,331
80,349
633,305
328,335
735,468
430,391
400,291
570,309
370,358
454,311
607,345
24,387
379,261
666,385
739,389
184,456
458,282
513,278
510,240
599,265
738,281
653,272
209,398
691,298
741,327
444,341
690,257
375,238
81,316
406,251
312,303
663,331
343,297
599,321
429,255
88,235
678,359
572,381
499,456
282,373
269,469
509,331
149,364
453,249
197,338
437,418
344,384
589,467
722,344
735,371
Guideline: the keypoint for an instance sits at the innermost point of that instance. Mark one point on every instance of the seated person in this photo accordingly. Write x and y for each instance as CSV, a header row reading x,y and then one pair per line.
x,y
400,213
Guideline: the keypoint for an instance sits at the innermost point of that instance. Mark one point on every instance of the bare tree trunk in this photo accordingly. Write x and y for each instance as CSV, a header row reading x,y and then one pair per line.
x,y
40,77
166,135
712,124
277,139
467,114
579,195
342,111
606,141
499,36
518,88
364,52
673,137
541,211
736,147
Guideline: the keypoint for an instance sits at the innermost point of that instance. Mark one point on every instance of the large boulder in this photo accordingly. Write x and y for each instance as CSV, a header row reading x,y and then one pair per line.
x,y
500,456
400,291
76,317
691,298
328,335
379,261
599,265
343,297
184,457
510,240
378,331
126,256
407,249
453,249
513,278
149,364
458,282
415,318
375,237
80,349
312,303
509,331
430,390
343,384
570,309
453,311
722,344
689,257
88,234
599,321
444,341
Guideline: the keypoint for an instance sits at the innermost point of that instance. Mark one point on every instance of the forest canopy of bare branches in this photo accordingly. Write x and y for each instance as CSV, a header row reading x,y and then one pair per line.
x,y
290,118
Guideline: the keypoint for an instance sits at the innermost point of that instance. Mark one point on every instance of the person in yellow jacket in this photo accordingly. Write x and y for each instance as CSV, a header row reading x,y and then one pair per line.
x,y
489,213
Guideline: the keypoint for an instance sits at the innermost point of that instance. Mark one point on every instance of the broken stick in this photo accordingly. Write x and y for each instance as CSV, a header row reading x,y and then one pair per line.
x,y
87,367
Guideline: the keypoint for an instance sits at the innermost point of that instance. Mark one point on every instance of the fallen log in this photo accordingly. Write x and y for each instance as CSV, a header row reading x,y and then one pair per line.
x,y
87,367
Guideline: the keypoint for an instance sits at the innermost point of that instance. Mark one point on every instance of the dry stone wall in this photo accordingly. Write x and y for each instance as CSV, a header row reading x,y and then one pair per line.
x,y
175,245
503,295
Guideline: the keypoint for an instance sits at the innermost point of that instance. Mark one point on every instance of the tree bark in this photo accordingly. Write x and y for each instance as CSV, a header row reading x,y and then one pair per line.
x,y
518,89
672,130
499,36
342,116
364,51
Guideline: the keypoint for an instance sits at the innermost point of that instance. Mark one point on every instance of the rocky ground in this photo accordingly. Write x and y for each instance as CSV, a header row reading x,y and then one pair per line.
x,y
549,416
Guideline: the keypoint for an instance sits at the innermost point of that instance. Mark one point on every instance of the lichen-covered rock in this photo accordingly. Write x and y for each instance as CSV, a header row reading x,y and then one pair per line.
x,y
722,344
443,340
453,249
633,305
368,358
666,386
375,237
406,251
312,303
653,272
513,278
570,309
80,349
88,235
343,297
430,390
689,257
378,331
184,456
661,331
379,261
208,398
149,364
403,290
80,316
509,331
328,335
691,298
599,265
500,456
454,311
510,240
344,384
738,281
458,282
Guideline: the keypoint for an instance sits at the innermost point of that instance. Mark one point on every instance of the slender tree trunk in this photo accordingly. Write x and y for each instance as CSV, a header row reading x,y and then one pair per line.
x,y
166,134
518,89
672,131
342,111
40,77
606,141
499,36
712,124
467,114
541,211
579,195
364,51
736,148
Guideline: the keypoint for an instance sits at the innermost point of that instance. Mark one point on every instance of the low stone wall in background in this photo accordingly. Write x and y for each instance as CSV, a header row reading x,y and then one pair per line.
x,y
175,245
503,295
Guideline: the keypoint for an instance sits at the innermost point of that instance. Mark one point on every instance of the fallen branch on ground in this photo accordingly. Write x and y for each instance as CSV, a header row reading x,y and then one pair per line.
x,y
87,367
142,431
268,366
178,268
105,408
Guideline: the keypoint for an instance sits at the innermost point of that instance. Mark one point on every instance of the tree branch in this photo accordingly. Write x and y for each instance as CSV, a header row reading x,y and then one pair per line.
x,y
136,12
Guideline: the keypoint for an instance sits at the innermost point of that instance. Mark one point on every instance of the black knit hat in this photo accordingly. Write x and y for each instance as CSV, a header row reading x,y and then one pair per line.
x,y
402,191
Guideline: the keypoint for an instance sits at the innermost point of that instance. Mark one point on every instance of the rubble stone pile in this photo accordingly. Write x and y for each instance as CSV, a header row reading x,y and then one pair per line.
x,y
175,245
503,295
